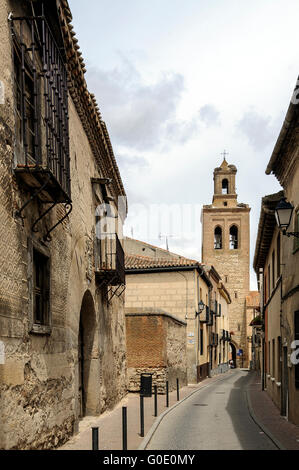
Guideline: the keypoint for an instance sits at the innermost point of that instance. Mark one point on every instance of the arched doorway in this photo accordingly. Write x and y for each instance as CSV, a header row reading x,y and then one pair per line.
x,y
233,354
87,359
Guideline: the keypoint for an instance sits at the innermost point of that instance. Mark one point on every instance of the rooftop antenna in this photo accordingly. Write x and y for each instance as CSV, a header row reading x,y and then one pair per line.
x,y
166,239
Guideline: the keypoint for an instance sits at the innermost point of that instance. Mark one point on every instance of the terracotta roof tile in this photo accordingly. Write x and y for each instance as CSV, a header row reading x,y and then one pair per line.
x,y
145,262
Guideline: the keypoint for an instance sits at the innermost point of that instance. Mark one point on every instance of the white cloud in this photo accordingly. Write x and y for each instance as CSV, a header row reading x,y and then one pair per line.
x,y
259,130
141,116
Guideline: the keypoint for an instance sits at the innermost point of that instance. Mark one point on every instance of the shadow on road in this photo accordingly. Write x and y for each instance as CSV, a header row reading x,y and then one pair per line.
x,y
251,437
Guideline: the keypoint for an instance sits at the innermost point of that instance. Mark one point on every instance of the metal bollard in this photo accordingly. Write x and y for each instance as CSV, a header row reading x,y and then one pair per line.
x,y
167,395
95,438
124,422
156,400
141,416
177,390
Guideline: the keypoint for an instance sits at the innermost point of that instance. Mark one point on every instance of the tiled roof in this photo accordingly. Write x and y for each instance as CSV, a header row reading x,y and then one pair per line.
x,y
85,103
145,262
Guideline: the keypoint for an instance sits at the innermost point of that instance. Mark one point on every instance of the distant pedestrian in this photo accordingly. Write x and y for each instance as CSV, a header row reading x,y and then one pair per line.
x,y
231,364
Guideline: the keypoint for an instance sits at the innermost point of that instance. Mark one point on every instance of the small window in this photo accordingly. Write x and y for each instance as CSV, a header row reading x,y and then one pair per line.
x,y
233,238
218,238
41,288
225,186
225,203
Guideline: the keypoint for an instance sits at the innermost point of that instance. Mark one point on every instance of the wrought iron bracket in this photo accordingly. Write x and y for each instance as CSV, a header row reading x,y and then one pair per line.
x,y
118,292
69,208
32,197
33,227
293,234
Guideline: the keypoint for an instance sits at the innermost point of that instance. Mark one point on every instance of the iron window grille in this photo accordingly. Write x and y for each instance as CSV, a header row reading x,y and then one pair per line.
x,y
39,67
41,110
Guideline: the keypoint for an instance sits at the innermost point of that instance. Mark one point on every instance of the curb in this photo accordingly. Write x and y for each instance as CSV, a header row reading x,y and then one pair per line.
x,y
152,430
260,424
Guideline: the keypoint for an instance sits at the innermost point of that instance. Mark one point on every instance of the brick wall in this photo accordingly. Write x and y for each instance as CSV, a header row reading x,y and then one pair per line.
x,y
156,343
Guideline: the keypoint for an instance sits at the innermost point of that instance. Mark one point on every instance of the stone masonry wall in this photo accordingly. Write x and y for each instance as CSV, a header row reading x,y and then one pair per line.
x,y
40,378
232,265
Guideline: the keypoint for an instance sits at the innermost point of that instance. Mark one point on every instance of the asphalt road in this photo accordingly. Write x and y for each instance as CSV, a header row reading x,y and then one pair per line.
x,y
213,418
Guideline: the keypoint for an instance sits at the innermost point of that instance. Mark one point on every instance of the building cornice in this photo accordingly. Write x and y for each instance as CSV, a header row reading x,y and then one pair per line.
x,y
150,312
266,227
210,208
86,105
283,161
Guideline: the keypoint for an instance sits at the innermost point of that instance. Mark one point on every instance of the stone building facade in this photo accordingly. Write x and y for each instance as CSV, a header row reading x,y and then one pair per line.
x,y
253,316
225,245
156,344
62,325
276,261
268,260
176,285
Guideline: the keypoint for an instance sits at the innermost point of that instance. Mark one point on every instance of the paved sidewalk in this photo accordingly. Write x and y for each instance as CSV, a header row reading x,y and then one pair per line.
x,y
267,416
110,422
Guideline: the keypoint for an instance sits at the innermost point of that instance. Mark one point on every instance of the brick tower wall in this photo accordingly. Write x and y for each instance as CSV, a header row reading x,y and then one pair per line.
x,y
232,265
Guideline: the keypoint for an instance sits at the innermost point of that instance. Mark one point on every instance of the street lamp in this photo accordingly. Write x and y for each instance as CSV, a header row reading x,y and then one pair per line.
x,y
201,306
283,215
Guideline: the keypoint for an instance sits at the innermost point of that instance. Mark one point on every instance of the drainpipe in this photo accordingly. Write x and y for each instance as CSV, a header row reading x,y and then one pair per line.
x,y
186,280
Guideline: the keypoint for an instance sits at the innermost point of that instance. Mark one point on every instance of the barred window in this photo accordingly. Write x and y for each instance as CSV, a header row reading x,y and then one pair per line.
x,y
25,107
41,101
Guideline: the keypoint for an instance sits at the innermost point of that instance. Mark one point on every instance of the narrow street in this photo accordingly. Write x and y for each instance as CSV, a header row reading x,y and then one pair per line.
x,y
214,418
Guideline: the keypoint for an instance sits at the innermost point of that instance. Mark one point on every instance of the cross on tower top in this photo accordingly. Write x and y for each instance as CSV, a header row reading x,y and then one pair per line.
x,y
224,154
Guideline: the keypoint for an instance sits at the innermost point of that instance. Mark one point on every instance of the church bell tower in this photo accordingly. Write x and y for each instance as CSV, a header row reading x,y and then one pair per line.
x,y
225,245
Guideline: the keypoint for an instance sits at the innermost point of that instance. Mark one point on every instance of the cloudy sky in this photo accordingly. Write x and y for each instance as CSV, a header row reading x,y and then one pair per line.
x,y
178,82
